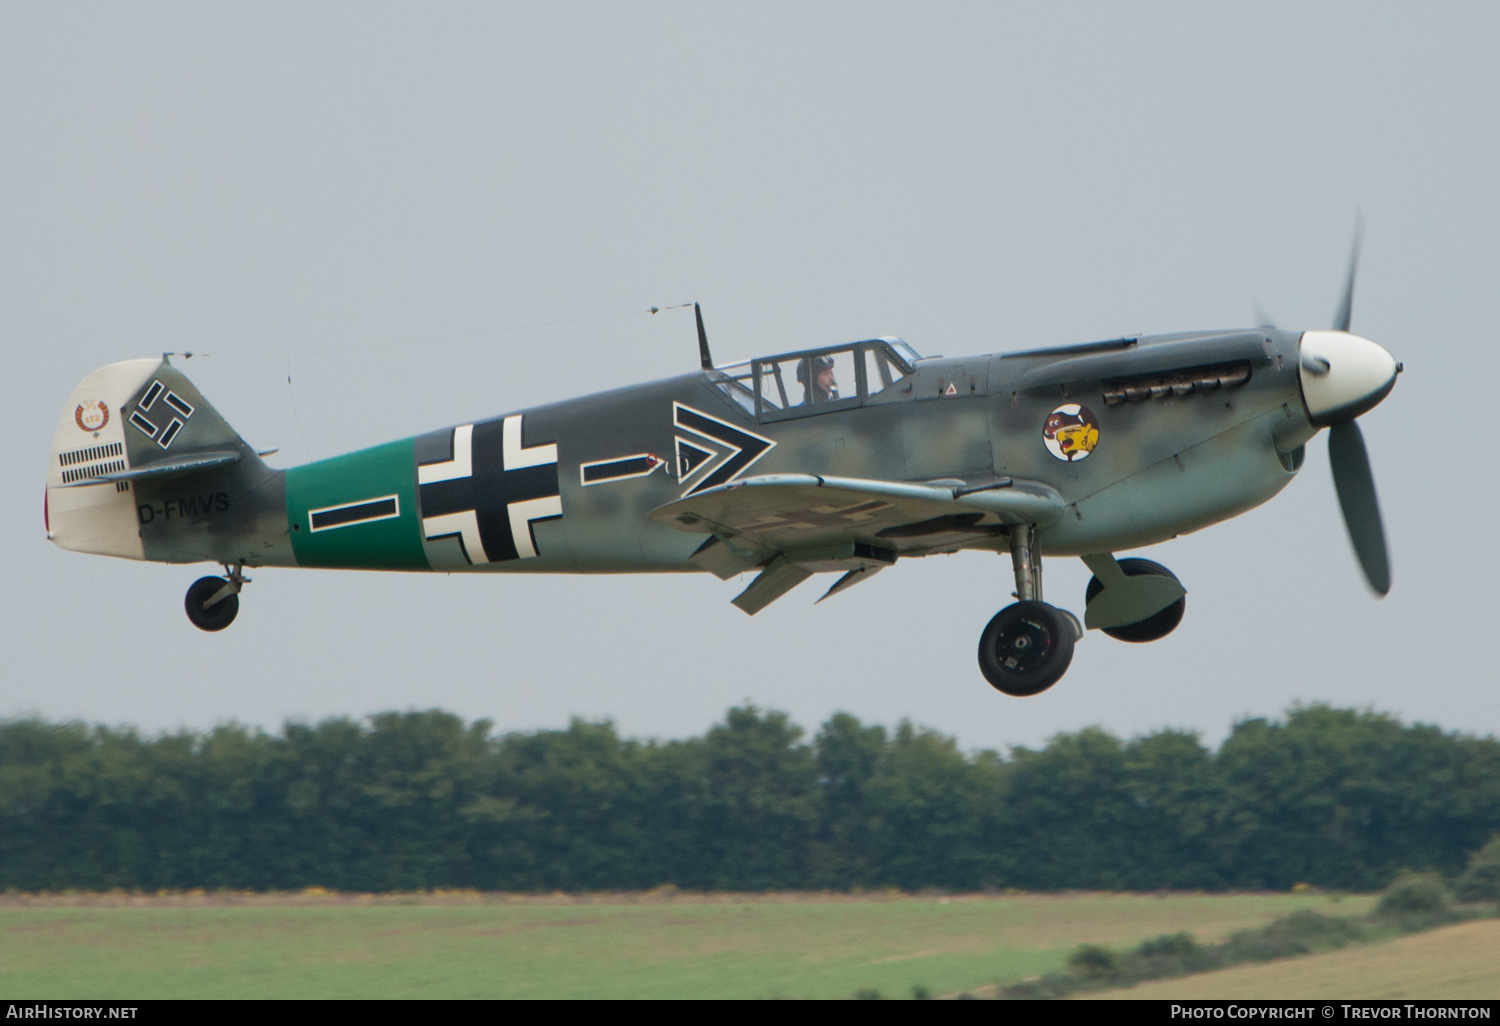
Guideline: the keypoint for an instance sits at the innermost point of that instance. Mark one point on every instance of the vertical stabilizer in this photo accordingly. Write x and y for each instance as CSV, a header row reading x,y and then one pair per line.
x,y
145,468
90,440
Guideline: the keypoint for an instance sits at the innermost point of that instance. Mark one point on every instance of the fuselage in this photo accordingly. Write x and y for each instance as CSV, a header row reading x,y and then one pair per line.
x,y
1140,447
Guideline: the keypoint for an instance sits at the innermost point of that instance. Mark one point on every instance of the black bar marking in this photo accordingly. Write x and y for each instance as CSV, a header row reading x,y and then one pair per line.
x,y
170,433
93,452
354,513
148,428
149,399
176,402
84,473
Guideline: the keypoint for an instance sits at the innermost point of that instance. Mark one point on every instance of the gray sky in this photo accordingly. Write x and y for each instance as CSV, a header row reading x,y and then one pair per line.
x,y
268,181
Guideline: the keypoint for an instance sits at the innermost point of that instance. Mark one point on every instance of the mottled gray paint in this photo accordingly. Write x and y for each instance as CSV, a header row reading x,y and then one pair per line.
x,y
231,514
1162,467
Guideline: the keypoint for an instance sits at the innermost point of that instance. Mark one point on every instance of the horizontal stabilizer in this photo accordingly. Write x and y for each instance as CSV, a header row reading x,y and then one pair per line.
x,y
162,468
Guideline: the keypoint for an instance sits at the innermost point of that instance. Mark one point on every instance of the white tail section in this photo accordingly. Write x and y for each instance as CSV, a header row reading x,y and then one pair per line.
x,y
90,440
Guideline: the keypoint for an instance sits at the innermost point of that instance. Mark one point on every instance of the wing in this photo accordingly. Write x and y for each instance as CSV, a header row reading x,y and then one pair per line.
x,y
795,525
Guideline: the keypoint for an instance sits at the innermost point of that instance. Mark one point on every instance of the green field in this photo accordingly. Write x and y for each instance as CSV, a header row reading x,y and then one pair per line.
x,y
642,945
1457,963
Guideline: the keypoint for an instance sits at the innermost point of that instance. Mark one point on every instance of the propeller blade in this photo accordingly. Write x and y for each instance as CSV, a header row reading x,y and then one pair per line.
x,y
1356,490
1346,305
1316,365
1262,319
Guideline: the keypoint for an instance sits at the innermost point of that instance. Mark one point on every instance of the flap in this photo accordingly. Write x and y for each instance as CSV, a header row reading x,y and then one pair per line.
x,y
799,514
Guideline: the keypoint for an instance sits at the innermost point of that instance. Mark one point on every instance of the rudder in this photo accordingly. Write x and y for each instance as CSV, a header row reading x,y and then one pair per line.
x,y
131,437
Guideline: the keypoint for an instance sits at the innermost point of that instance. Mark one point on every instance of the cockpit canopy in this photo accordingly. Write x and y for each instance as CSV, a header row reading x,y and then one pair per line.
x,y
820,380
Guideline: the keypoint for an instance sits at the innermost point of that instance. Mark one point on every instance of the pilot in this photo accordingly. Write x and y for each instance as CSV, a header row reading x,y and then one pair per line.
x,y
824,388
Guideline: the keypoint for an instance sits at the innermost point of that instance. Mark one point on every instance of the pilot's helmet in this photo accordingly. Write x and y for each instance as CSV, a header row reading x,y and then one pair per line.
x,y
819,365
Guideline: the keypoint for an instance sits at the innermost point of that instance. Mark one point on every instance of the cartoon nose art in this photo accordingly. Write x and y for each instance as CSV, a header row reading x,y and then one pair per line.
x,y
1071,432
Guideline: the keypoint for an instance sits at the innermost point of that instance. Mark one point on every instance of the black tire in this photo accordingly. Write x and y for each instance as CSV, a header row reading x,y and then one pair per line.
x,y
1153,628
217,616
1026,649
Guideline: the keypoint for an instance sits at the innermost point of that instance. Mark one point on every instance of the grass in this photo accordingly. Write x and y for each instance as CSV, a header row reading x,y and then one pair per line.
x,y
1413,903
1454,962
651,945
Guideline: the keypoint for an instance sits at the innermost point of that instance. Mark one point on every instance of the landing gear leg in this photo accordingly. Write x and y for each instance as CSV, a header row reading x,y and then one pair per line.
x,y
1027,647
212,603
1027,563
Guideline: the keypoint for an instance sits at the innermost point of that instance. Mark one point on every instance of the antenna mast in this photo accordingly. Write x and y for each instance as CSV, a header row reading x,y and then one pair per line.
x,y
708,361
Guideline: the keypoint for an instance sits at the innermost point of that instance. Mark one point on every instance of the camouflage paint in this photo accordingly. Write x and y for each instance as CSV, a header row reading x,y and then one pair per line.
x,y
1161,467
394,543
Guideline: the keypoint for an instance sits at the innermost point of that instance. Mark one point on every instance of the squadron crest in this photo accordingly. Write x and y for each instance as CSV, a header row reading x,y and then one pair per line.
x,y
91,416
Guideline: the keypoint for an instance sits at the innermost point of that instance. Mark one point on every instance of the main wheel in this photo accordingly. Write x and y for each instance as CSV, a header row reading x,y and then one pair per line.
x,y
217,616
1154,627
1026,648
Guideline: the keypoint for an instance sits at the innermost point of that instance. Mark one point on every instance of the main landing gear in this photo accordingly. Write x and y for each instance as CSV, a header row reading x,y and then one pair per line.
x,y
213,602
1027,646
1157,625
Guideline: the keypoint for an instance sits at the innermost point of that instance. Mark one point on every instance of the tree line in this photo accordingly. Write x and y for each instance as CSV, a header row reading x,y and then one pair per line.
x,y
1334,798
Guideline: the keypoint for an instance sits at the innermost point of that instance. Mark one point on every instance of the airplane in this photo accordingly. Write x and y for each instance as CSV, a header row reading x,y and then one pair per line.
x,y
839,459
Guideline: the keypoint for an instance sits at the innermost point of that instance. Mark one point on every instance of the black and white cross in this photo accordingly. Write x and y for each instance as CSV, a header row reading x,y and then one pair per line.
x,y
490,492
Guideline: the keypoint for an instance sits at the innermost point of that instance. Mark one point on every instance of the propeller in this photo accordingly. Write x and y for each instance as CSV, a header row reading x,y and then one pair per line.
x,y
1346,305
1352,479
1356,489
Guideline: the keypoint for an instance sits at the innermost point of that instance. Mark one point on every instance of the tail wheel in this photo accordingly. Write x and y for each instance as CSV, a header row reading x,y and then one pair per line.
x,y
217,616
1026,648
1154,627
